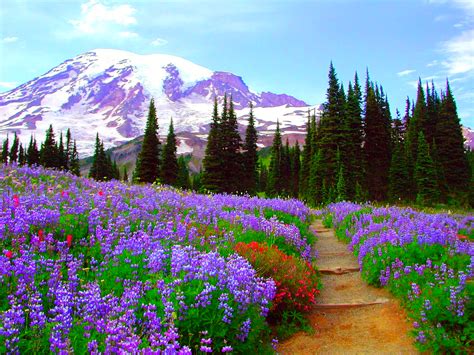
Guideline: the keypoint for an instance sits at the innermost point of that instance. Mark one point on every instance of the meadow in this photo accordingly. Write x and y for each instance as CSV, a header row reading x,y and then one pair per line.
x,y
105,267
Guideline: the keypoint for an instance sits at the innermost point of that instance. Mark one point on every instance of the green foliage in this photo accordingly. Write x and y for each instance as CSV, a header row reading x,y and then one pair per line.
x,y
250,157
425,174
274,184
169,167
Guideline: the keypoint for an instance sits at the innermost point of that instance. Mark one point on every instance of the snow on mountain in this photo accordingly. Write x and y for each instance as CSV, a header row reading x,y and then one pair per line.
x,y
468,134
108,91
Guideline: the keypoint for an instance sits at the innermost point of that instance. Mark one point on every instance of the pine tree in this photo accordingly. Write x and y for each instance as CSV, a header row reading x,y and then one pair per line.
x,y
14,149
377,144
263,178
148,163
398,174
306,161
250,156
74,166
32,153
169,168
62,153
125,174
450,146
21,156
232,168
417,123
295,170
197,182
317,183
5,151
425,174
285,169
341,189
183,181
212,177
49,154
102,168
68,148
274,184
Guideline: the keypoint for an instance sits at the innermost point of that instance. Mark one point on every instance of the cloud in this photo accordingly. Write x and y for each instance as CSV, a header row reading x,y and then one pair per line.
x,y
459,53
8,84
159,42
97,18
9,39
128,34
406,72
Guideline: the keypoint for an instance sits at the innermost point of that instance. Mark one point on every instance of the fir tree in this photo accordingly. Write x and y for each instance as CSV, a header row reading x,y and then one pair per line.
x,y
285,169
306,161
341,190
5,151
317,183
21,155
49,154
263,178
74,166
425,174
250,156
197,182
232,168
212,177
183,181
295,170
125,174
398,174
68,148
169,168
14,149
274,184
32,153
450,146
102,167
148,163
62,153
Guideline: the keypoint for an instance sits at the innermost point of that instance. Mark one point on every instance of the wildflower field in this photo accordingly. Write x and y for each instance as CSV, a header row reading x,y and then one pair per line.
x,y
108,267
426,260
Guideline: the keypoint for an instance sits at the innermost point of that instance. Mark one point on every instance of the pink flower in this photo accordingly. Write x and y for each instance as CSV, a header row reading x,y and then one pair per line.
x,y
9,254
16,201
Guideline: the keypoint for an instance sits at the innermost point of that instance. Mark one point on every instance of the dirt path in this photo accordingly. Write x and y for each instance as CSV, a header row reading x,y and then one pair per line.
x,y
372,322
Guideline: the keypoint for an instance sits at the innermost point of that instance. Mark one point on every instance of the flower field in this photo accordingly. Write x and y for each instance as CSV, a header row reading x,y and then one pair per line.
x,y
108,267
426,260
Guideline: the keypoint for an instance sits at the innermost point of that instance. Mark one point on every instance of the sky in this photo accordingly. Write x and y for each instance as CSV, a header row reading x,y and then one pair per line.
x,y
282,46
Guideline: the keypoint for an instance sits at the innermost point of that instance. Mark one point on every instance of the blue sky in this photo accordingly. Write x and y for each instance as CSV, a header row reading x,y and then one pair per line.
x,y
280,46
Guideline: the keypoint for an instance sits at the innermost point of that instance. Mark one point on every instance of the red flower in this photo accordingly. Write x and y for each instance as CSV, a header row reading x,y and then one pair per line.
x,y
41,235
16,201
460,236
69,240
101,193
9,254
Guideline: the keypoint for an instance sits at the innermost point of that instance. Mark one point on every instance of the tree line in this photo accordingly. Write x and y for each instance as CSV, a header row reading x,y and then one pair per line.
x,y
357,152
51,154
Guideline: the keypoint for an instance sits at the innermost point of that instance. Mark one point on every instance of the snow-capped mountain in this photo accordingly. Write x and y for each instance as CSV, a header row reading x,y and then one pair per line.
x,y
108,91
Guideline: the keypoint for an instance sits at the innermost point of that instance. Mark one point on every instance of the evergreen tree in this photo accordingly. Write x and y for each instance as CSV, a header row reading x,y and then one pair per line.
x,y
197,182
425,174
274,184
169,169
317,183
148,163
14,149
450,146
398,174
21,155
115,170
417,124
232,168
250,156
49,154
68,148
306,161
212,177
183,181
74,166
263,178
285,169
102,168
5,151
62,153
32,153
377,144
295,170
341,190
125,174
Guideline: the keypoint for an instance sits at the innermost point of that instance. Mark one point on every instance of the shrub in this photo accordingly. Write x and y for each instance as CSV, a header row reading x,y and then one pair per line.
x,y
296,280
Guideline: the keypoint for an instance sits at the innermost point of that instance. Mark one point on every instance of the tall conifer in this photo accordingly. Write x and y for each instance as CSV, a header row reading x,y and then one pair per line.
x,y
169,167
250,157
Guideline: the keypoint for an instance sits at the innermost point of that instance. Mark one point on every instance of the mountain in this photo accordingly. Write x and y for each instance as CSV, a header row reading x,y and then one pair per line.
x,y
108,91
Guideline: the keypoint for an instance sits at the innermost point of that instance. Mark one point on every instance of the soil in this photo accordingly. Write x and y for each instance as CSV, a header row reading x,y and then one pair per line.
x,y
351,317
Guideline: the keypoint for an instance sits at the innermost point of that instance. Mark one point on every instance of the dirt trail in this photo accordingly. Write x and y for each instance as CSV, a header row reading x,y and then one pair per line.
x,y
372,322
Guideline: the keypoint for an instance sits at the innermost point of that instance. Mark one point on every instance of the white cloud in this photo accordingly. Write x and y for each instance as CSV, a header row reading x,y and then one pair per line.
x,y
406,72
128,34
459,53
159,42
98,18
8,84
9,39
